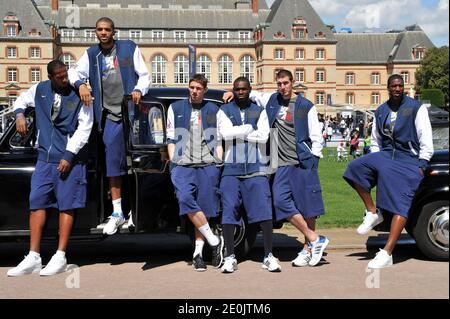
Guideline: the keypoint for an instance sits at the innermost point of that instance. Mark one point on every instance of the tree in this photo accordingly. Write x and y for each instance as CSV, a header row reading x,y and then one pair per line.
x,y
435,96
433,72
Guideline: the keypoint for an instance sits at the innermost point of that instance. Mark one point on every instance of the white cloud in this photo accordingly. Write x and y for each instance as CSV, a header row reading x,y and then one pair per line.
x,y
363,15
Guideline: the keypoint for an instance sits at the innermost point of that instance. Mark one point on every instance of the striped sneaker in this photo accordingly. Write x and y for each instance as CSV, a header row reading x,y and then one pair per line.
x,y
317,249
271,264
302,259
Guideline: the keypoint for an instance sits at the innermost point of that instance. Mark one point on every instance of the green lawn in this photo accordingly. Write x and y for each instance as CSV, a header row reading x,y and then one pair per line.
x,y
343,207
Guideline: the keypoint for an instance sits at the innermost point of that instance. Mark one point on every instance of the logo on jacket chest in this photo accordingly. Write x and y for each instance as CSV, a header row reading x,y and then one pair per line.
x,y
71,106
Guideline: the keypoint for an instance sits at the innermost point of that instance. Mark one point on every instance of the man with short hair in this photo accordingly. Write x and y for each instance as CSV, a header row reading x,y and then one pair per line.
x,y
59,180
114,68
296,150
244,127
401,147
195,153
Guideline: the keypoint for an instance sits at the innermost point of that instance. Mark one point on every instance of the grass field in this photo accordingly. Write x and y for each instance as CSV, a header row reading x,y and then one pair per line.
x,y
343,207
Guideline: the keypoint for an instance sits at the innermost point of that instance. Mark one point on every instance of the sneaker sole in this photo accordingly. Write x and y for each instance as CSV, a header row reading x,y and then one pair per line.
x,y
388,266
52,274
366,232
25,273
267,268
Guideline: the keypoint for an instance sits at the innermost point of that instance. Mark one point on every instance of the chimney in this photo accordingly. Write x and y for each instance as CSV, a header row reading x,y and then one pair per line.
x,y
255,6
55,5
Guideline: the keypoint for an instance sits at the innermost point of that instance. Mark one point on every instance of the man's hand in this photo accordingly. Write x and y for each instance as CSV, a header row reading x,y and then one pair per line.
x,y
21,124
136,96
85,95
64,166
228,97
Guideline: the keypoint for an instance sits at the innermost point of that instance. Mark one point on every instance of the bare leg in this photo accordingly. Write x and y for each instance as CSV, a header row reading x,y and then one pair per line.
x,y
367,199
299,222
198,219
65,227
116,187
37,222
311,222
397,225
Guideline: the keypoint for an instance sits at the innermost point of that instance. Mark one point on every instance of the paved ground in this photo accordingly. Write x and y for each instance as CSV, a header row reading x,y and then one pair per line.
x,y
157,266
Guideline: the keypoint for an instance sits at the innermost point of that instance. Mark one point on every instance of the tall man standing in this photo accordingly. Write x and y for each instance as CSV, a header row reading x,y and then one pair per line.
x,y
194,151
114,68
59,180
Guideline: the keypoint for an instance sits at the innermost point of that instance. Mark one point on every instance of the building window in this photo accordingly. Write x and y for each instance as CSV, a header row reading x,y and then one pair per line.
x,y
299,54
245,36
418,53
375,99
405,76
35,53
157,36
279,54
11,31
320,54
135,34
35,75
67,59
89,35
225,70
180,36
320,98
181,66
350,78
299,33
159,65
117,34
223,36
12,75
204,66
68,34
248,67
375,79
11,52
201,36
320,76
350,98
300,75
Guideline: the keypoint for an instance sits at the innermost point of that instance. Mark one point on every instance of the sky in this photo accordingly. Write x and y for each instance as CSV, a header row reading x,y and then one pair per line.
x,y
383,15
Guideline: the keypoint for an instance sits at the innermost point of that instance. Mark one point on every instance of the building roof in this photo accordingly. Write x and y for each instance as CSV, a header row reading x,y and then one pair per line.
x,y
28,16
284,12
380,48
161,14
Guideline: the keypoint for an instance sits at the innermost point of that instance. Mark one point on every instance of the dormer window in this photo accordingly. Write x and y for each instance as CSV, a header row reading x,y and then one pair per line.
x,y
418,53
299,29
11,25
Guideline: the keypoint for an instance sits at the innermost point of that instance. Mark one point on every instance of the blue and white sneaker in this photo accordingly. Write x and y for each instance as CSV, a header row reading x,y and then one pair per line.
x,y
114,222
317,249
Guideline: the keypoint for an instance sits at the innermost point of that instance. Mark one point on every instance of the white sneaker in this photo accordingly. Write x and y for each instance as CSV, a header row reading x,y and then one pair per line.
x,y
271,264
229,265
114,222
369,222
317,250
382,260
56,265
30,264
302,259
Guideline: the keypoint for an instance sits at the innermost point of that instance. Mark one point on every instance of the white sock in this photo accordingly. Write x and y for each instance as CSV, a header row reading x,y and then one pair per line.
x,y
34,254
117,206
199,247
60,253
206,231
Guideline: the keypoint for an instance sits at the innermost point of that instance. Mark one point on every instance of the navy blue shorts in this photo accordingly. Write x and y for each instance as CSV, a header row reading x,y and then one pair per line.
x,y
297,190
197,189
51,189
397,182
113,138
253,192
